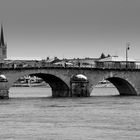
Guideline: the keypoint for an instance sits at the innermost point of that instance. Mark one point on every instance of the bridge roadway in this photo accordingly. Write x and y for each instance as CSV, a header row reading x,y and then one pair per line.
x,y
127,81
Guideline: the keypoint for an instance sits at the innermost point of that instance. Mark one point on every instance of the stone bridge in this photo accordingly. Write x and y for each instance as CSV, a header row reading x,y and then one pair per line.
x,y
126,81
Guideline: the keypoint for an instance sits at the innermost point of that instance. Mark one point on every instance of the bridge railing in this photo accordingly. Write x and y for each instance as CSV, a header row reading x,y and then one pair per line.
x,y
97,65
118,65
111,65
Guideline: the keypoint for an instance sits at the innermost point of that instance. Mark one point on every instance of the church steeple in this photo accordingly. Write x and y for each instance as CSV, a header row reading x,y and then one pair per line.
x,y
2,43
3,46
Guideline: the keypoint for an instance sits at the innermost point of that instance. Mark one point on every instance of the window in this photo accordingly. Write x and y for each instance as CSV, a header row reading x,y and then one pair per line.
x,y
4,51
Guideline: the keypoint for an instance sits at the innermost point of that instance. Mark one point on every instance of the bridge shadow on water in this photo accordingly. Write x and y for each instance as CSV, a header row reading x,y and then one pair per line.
x,y
45,92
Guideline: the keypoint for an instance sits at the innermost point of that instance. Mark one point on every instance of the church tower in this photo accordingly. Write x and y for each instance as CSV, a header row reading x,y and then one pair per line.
x,y
3,46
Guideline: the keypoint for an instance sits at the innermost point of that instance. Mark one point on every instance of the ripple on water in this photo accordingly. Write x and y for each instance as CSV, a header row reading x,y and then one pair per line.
x,y
96,117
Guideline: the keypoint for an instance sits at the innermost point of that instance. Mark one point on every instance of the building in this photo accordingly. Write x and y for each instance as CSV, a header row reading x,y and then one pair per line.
x,y
85,62
116,62
3,46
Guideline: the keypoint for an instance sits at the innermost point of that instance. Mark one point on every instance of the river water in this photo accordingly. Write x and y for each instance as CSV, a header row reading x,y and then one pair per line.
x,y
30,114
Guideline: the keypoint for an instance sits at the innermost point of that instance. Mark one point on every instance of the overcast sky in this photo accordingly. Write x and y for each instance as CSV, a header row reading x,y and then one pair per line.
x,y
70,28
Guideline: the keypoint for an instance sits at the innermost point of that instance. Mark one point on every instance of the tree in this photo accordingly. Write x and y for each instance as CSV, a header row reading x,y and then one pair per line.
x,y
102,56
108,55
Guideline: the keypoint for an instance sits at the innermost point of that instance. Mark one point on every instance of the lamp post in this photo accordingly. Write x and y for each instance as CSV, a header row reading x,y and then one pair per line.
x,y
127,48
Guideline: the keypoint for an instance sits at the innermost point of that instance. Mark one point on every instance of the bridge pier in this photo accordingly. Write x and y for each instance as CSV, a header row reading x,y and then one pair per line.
x,y
60,93
4,94
4,90
79,88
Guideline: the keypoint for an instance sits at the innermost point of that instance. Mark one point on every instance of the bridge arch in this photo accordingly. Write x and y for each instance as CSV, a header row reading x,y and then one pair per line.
x,y
59,87
124,87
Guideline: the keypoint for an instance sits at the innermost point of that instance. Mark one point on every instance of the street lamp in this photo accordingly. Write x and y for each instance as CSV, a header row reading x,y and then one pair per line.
x,y
127,48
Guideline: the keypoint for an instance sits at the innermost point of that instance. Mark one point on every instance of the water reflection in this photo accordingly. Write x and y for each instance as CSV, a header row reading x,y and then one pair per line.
x,y
17,92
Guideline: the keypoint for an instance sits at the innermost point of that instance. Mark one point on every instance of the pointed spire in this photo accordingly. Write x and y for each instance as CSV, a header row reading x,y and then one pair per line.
x,y
2,37
0,40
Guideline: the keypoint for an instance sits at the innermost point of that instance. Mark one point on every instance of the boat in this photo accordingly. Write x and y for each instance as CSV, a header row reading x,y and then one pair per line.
x,y
43,84
30,82
104,83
